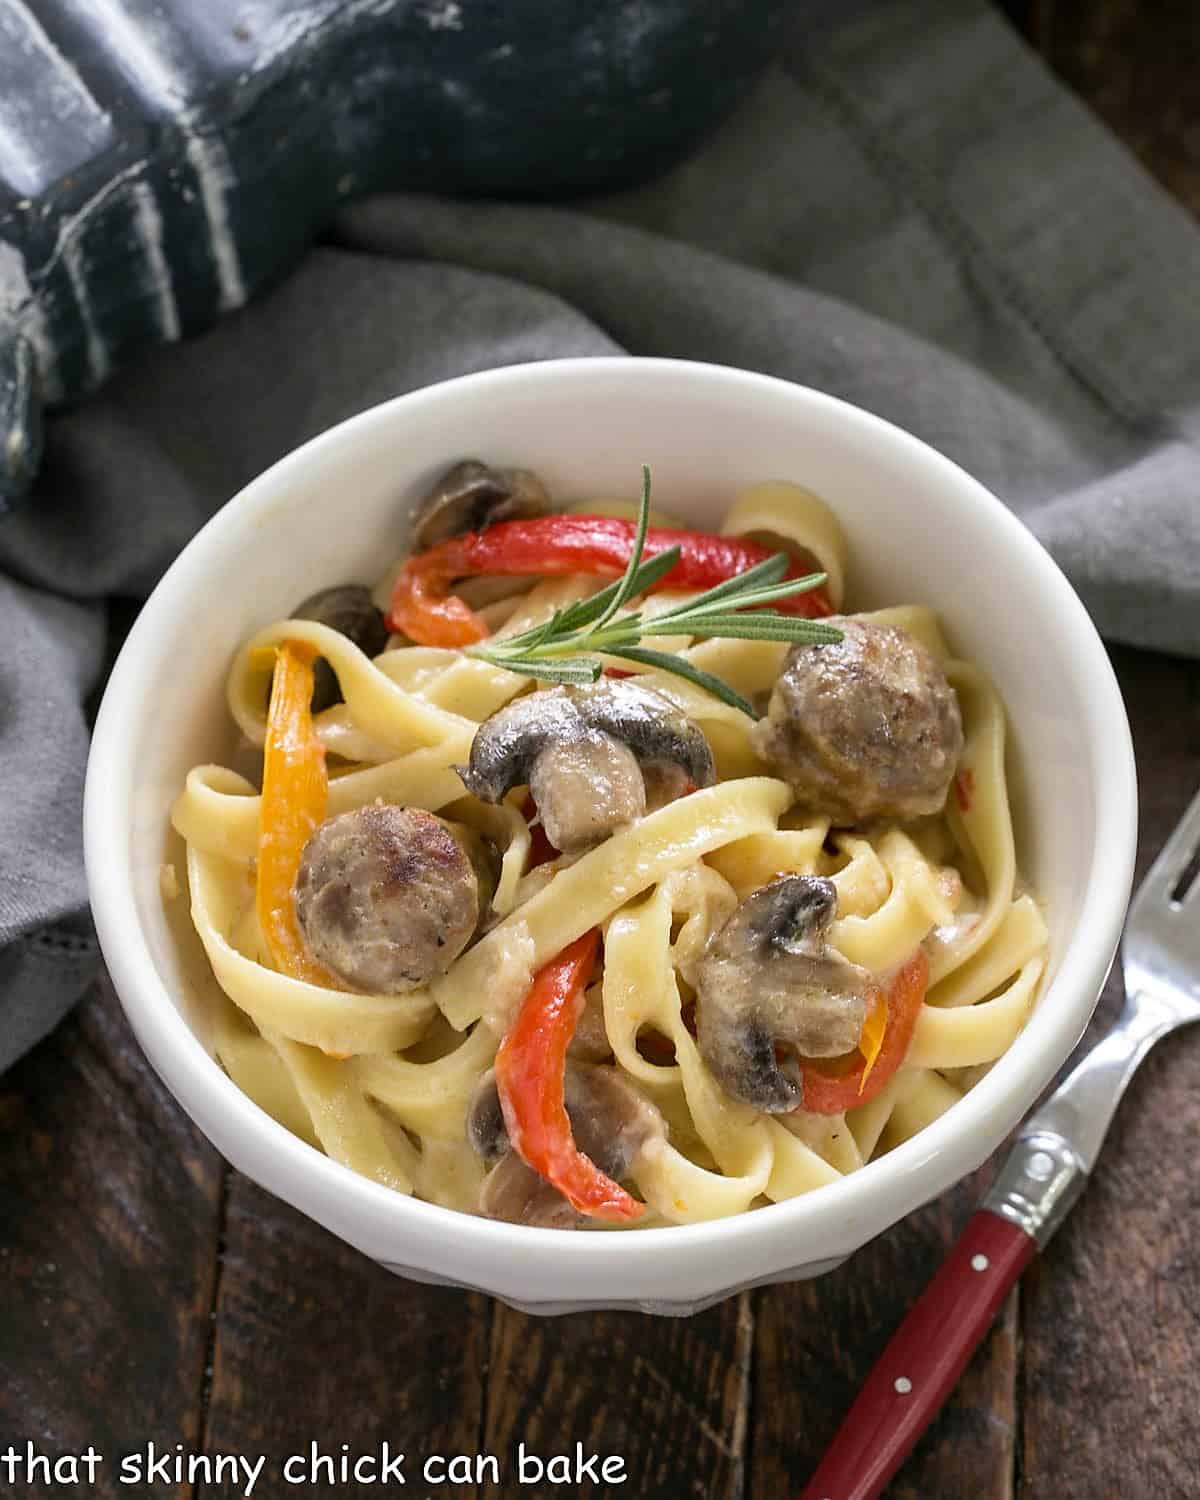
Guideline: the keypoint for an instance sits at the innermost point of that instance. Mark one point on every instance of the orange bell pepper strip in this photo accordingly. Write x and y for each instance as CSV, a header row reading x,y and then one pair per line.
x,y
826,1094
529,1079
294,795
870,1044
425,610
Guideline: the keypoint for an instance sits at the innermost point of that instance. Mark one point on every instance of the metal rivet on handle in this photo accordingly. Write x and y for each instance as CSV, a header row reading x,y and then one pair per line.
x,y
979,1263
1040,1166
903,1385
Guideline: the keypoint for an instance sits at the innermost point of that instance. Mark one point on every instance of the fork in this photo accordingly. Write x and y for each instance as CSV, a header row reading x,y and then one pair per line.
x,y
1038,1184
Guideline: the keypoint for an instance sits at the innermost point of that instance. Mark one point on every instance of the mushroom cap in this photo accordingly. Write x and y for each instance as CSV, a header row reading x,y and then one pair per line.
x,y
350,609
472,495
515,1193
506,746
790,915
486,1129
610,1123
766,983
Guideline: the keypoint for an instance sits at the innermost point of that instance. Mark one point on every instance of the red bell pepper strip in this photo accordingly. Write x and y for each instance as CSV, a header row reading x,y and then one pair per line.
x,y
825,1094
424,609
529,1079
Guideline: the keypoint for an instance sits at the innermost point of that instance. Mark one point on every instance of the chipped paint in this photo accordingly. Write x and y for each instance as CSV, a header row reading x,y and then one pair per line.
x,y
155,77
159,280
75,261
210,162
444,15
30,153
15,290
304,23
34,327
19,307
189,102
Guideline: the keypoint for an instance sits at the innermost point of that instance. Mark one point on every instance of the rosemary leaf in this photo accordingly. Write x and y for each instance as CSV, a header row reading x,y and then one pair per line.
x,y
565,648
767,572
535,636
626,587
574,670
767,627
755,598
679,666
585,611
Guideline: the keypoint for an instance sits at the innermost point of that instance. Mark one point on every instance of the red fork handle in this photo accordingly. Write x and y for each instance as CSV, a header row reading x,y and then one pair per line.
x,y
922,1363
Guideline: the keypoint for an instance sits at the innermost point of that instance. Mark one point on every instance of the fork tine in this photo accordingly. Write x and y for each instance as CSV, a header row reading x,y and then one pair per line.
x,y
1172,859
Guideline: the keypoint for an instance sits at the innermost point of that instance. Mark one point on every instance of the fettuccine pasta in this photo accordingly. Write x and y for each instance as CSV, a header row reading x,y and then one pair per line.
x,y
728,936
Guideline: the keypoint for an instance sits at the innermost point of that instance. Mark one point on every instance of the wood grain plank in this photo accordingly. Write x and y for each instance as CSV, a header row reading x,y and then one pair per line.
x,y
108,1233
1112,1311
817,1341
1135,64
670,1396
314,1342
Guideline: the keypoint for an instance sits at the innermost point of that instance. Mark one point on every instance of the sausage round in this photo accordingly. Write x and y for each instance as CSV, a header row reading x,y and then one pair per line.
x,y
865,727
387,897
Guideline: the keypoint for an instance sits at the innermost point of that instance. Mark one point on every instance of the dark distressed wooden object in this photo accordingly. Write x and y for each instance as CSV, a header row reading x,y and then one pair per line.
x,y
817,1340
162,160
109,1206
1135,63
669,1395
315,1343
108,1246
1112,1313
103,1180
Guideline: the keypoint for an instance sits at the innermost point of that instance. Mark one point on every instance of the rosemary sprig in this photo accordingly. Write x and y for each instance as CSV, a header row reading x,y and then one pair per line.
x,y
564,648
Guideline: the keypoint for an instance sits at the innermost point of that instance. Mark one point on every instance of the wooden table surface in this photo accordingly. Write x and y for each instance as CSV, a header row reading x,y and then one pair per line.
x,y
151,1293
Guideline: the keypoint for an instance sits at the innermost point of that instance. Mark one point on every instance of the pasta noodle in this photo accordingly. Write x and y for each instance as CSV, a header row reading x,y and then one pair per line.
x,y
383,1082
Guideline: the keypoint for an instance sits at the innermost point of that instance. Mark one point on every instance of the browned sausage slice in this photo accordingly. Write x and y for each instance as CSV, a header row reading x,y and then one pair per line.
x,y
865,727
388,897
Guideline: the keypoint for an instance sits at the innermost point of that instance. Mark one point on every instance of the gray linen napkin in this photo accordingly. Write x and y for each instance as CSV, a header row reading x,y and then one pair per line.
x,y
910,213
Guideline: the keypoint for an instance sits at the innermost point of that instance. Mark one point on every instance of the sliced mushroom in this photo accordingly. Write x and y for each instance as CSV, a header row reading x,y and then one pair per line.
x,y
590,1042
610,1123
349,609
486,1129
610,1120
515,1193
388,897
470,496
664,784
584,753
865,727
586,788
767,985
659,734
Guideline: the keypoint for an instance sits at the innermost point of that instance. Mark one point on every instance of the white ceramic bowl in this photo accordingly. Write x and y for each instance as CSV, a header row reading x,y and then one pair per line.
x,y
919,529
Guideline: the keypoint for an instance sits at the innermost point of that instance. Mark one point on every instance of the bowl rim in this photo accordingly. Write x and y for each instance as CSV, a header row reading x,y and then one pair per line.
x,y
858,1204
